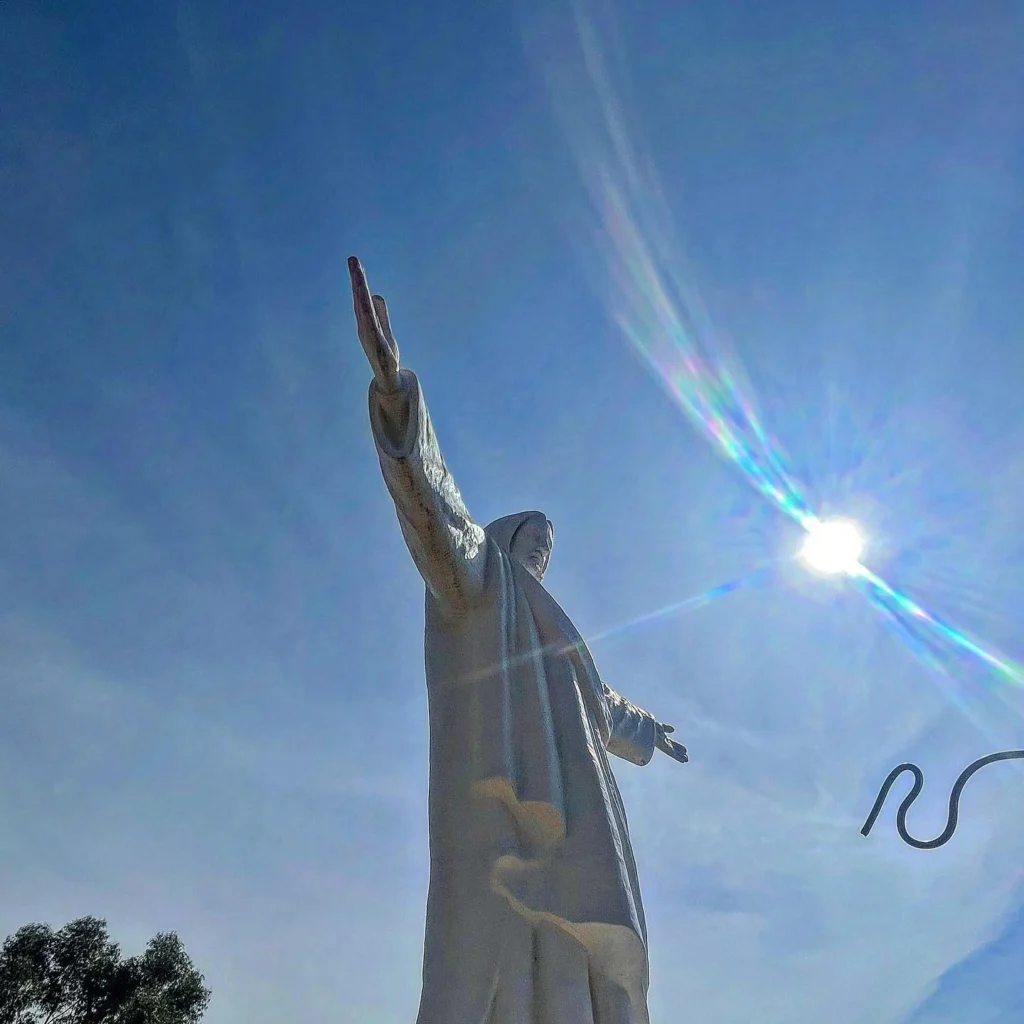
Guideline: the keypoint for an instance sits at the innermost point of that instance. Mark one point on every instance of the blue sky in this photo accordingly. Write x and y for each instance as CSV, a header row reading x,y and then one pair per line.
x,y
212,716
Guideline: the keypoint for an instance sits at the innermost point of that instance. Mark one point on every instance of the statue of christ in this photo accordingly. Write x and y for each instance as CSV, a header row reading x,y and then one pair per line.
x,y
533,910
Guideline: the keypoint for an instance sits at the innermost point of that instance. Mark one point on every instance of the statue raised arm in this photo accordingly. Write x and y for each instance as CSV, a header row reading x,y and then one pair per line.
x,y
447,546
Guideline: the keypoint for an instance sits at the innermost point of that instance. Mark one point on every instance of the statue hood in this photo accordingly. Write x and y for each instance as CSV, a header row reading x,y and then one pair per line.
x,y
503,531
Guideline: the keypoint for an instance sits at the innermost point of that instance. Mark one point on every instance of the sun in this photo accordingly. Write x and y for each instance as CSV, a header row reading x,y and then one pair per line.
x,y
833,546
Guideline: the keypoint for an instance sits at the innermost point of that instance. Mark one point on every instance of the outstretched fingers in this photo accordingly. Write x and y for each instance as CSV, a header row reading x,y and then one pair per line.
x,y
374,336
677,750
670,746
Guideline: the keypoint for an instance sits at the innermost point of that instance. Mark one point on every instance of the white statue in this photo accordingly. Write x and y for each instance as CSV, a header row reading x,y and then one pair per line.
x,y
533,912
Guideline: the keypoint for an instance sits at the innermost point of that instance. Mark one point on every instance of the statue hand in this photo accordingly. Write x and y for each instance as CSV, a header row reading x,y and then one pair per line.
x,y
374,328
669,746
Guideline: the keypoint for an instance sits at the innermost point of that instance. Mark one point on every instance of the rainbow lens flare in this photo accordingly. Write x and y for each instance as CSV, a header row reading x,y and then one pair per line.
x,y
662,318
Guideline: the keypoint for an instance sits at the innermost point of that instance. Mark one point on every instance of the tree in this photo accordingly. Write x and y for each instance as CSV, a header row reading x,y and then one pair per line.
x,y
76,976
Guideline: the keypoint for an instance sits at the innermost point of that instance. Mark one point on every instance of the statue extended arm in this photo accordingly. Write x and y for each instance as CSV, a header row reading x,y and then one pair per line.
x,y
636,733
447,546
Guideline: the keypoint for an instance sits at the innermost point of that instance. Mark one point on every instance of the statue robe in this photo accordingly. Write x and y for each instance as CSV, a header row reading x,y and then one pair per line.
x,y
533,911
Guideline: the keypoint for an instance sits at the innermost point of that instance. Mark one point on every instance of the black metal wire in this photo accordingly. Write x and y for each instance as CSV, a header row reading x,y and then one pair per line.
x,y
954,799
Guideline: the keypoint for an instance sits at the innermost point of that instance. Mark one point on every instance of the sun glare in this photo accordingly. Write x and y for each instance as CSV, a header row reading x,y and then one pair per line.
x,y
833,546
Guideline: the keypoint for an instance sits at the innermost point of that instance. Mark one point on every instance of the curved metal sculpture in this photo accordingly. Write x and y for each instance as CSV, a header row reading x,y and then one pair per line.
x,y
954,799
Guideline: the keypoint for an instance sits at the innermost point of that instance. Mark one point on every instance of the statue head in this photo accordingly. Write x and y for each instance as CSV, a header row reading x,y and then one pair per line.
x,y
528,537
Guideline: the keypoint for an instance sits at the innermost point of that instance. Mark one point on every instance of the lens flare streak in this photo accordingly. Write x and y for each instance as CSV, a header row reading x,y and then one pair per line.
x,y
686,605
703,388
938,641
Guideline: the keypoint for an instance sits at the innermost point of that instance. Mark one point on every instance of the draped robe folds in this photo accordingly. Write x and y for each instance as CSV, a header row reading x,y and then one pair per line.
x,y
533,910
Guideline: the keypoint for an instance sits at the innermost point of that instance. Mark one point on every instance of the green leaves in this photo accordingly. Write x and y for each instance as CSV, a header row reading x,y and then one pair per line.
x,y
76,976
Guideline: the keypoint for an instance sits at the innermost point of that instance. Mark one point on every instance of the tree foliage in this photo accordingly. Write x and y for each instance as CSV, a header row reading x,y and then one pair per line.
x,y
76,976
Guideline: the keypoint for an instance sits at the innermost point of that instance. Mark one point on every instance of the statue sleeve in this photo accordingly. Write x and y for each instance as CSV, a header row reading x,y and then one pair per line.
x,y
634,730
448,547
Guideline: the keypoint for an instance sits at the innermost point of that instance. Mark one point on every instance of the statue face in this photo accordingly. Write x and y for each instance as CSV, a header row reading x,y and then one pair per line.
x,y
532,545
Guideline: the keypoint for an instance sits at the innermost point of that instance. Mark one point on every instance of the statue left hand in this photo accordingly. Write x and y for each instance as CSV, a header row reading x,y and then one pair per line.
x,y
669,746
